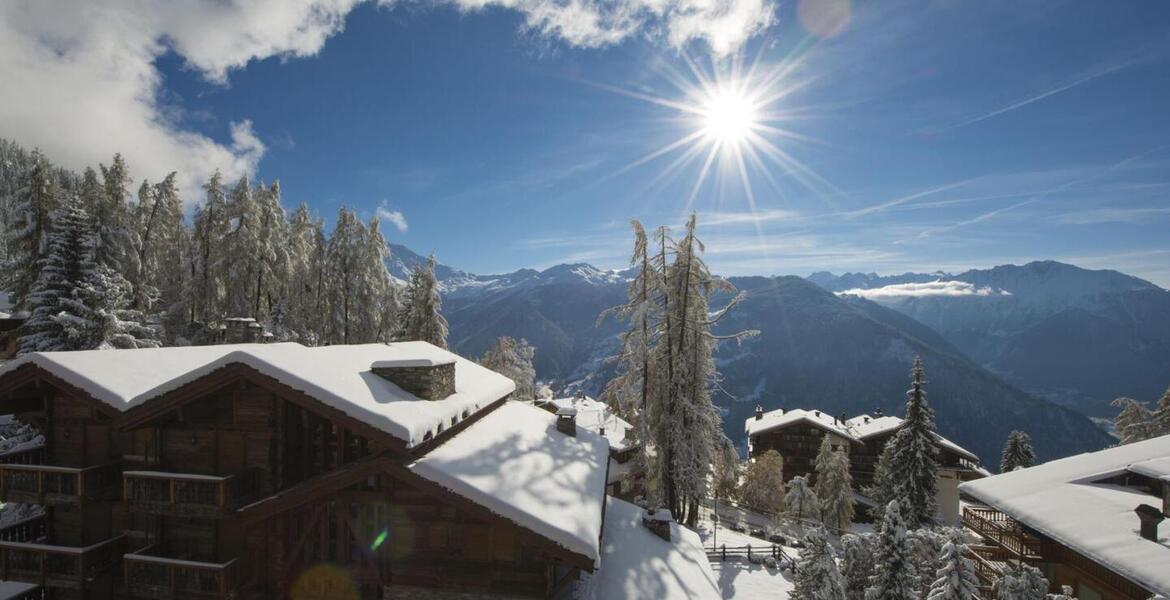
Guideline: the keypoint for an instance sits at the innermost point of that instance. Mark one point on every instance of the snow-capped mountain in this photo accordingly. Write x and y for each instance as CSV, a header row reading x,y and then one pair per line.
x,y
1076,336
816,349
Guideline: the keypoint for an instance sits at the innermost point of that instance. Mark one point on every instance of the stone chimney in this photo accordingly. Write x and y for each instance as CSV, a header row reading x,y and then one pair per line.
x,y
567,421
877,413
658,522
426,378
759,412
1150,518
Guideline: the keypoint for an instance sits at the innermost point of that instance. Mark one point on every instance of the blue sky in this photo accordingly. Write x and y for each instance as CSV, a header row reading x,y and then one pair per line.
x,y
942,135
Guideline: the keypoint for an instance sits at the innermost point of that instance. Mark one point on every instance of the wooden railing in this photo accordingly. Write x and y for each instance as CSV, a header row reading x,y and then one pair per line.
x,y
27,530
168,578
186,495
1003,531
988,561
28,456
51,485
58,566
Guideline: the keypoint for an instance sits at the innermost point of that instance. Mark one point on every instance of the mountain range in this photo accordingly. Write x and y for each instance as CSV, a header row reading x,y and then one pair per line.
x,y
818,347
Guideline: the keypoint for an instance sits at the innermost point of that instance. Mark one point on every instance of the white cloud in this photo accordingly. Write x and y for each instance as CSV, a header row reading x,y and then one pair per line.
x,y
924,290
393,216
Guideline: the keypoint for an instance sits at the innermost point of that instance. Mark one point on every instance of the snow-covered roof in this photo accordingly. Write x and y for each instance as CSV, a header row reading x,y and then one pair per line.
x,y
1062,500
858,428
338,376
637,564
593,414
1156,468
515,463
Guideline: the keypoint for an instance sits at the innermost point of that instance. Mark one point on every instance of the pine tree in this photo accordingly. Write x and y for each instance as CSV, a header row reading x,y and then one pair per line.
x,y
956,578
818,577
763,484
926,546
834,486
1017,452
33,204
513,359
68,260
907,469
97,317
1021,582
801,502
856,565
423,318
1134,422
1162,415
893,577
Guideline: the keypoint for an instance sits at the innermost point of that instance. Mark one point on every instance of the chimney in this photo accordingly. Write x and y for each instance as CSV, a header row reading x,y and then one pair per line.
x,y
426,378
567,421
1150,518
817,413
759,412
658,522
877,413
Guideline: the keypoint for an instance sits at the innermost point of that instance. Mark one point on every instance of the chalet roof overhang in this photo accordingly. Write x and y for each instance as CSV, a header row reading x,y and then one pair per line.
x,y
33,374
803,420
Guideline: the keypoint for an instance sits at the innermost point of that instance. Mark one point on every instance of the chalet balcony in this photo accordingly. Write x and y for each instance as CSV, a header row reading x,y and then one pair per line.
x,y
187,495
49,485
164,578
1003,532
59,566
24,530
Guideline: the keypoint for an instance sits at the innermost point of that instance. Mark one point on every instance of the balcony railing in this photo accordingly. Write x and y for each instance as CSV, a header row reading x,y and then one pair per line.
x,y
51,485
58,566
28,456
165,578
25,530
1005,532
186,495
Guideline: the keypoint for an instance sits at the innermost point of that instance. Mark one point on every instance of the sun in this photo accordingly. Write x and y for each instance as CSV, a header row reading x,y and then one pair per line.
x,y
728,117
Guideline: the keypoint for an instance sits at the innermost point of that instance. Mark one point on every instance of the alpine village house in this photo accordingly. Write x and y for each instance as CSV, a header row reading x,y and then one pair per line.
x,y
283,471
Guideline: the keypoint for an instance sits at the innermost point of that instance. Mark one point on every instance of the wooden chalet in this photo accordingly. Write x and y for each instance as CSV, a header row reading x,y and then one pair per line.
x,y
277,470
797,434
1089,521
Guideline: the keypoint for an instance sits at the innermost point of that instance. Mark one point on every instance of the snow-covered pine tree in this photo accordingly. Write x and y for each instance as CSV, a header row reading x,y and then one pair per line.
x,y
29,225
513,359
834,486
856,565
629,391
907,468
956,578
763,484
893,573
926,545
817,578
1066,593
801,502
378,296
67,261
1017,452
115,243
211,227
1021,582
1134,422
423,310
97,317
1162,415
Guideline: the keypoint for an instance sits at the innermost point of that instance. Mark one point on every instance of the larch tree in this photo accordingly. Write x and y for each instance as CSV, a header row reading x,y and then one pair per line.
x,y
342,267
763,484
1017,452
513,359
377,294
834,486
893,574
801,502
115,243
856,565
422,311
29,225
818,577
304,299
907,468
1134,422
727,471
956,578
211,228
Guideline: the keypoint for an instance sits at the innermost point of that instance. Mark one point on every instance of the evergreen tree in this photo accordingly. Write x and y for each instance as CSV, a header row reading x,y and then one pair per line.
x,y
1134,422
1017,452
926,546
305,298
513,359
763,484
32,207
68,260
97,317
856,565
907,469
801,502
956,578
423,318
818,577
114,245
834,486
1162,415
211,228
377,295
893,576
1021,582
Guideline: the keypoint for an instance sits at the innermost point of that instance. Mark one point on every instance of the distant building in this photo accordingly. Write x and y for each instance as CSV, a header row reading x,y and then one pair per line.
x,y
797,434
1089,521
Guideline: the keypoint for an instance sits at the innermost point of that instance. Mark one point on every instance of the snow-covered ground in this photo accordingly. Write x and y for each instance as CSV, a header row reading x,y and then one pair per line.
x,y
741,579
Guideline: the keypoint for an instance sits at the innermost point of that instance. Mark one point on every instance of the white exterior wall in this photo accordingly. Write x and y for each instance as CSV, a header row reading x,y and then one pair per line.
x,y
948,496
